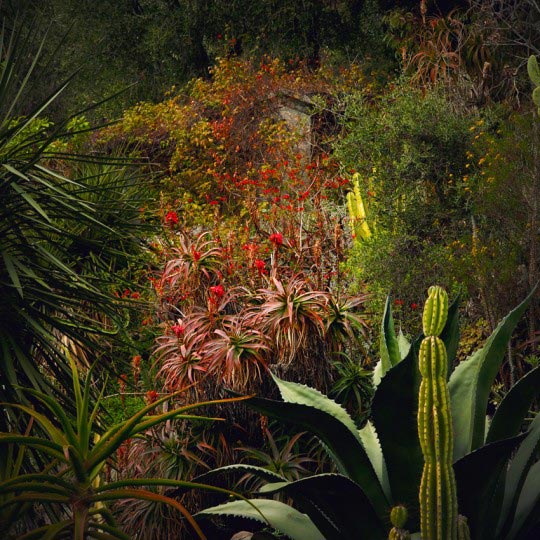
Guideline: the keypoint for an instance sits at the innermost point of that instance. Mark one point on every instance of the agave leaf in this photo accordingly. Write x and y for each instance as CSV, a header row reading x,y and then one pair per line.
x,y
533,70
336,505
517,474
528,508
470,384
241,468
341,442
389,346
404,345
394,410
369,443
450,333
480,485
294,524
513,408
372,446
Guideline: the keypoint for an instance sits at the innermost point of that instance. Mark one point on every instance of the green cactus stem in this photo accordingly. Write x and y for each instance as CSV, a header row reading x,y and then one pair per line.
x,y
357,212
463,528
398,518
438,500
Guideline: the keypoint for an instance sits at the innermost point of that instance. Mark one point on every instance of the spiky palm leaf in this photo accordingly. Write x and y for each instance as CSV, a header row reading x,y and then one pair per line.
x,y
55,270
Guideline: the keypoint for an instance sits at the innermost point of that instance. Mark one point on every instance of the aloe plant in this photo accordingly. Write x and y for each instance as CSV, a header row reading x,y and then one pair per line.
x,y
70,483
380,466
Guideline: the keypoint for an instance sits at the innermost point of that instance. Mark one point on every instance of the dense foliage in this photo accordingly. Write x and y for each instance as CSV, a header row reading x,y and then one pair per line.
x,y
282,177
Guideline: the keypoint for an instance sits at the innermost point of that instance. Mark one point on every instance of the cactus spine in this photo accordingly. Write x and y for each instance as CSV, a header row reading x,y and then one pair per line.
x,y
438,500
357,212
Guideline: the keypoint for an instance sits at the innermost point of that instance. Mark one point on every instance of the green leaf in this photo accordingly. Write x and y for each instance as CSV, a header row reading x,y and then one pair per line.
x,y
517,473
536,96
337,506
323,417
12,272
403,344
470,384
513,408
394,410
241,468
294,524
533,70
450,334
480,485
304,395
389,346
528,508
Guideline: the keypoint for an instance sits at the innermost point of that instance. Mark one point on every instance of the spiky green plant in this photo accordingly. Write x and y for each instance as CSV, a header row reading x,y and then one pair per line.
x,y
71,483
57,254
381,465
438,499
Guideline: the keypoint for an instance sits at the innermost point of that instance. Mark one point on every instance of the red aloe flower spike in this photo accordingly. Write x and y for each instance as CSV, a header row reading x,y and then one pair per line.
x,y
171,218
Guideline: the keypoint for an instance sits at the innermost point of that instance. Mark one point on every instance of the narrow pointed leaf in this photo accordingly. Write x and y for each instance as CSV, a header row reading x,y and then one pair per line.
x,y
512,410
394,410
480,485
470,384
389,346
522,462
528,508
450,334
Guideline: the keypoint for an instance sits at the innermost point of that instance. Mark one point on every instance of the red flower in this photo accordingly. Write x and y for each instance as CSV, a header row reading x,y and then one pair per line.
x,y
151,396
260,265
136,361
398,302
218,291
178,329
196,254
276,239
171,218
414,305
135,295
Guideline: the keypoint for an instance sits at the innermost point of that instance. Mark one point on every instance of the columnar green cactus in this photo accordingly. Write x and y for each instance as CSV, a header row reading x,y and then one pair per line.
x,y
534,73
357,212
438,500
398,518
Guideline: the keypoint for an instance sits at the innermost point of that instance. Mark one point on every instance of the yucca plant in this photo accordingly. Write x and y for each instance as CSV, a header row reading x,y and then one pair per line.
x,y
71,483
495,463
56,270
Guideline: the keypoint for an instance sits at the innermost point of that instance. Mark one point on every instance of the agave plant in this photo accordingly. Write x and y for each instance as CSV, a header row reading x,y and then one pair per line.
x,y
71,483
495,464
